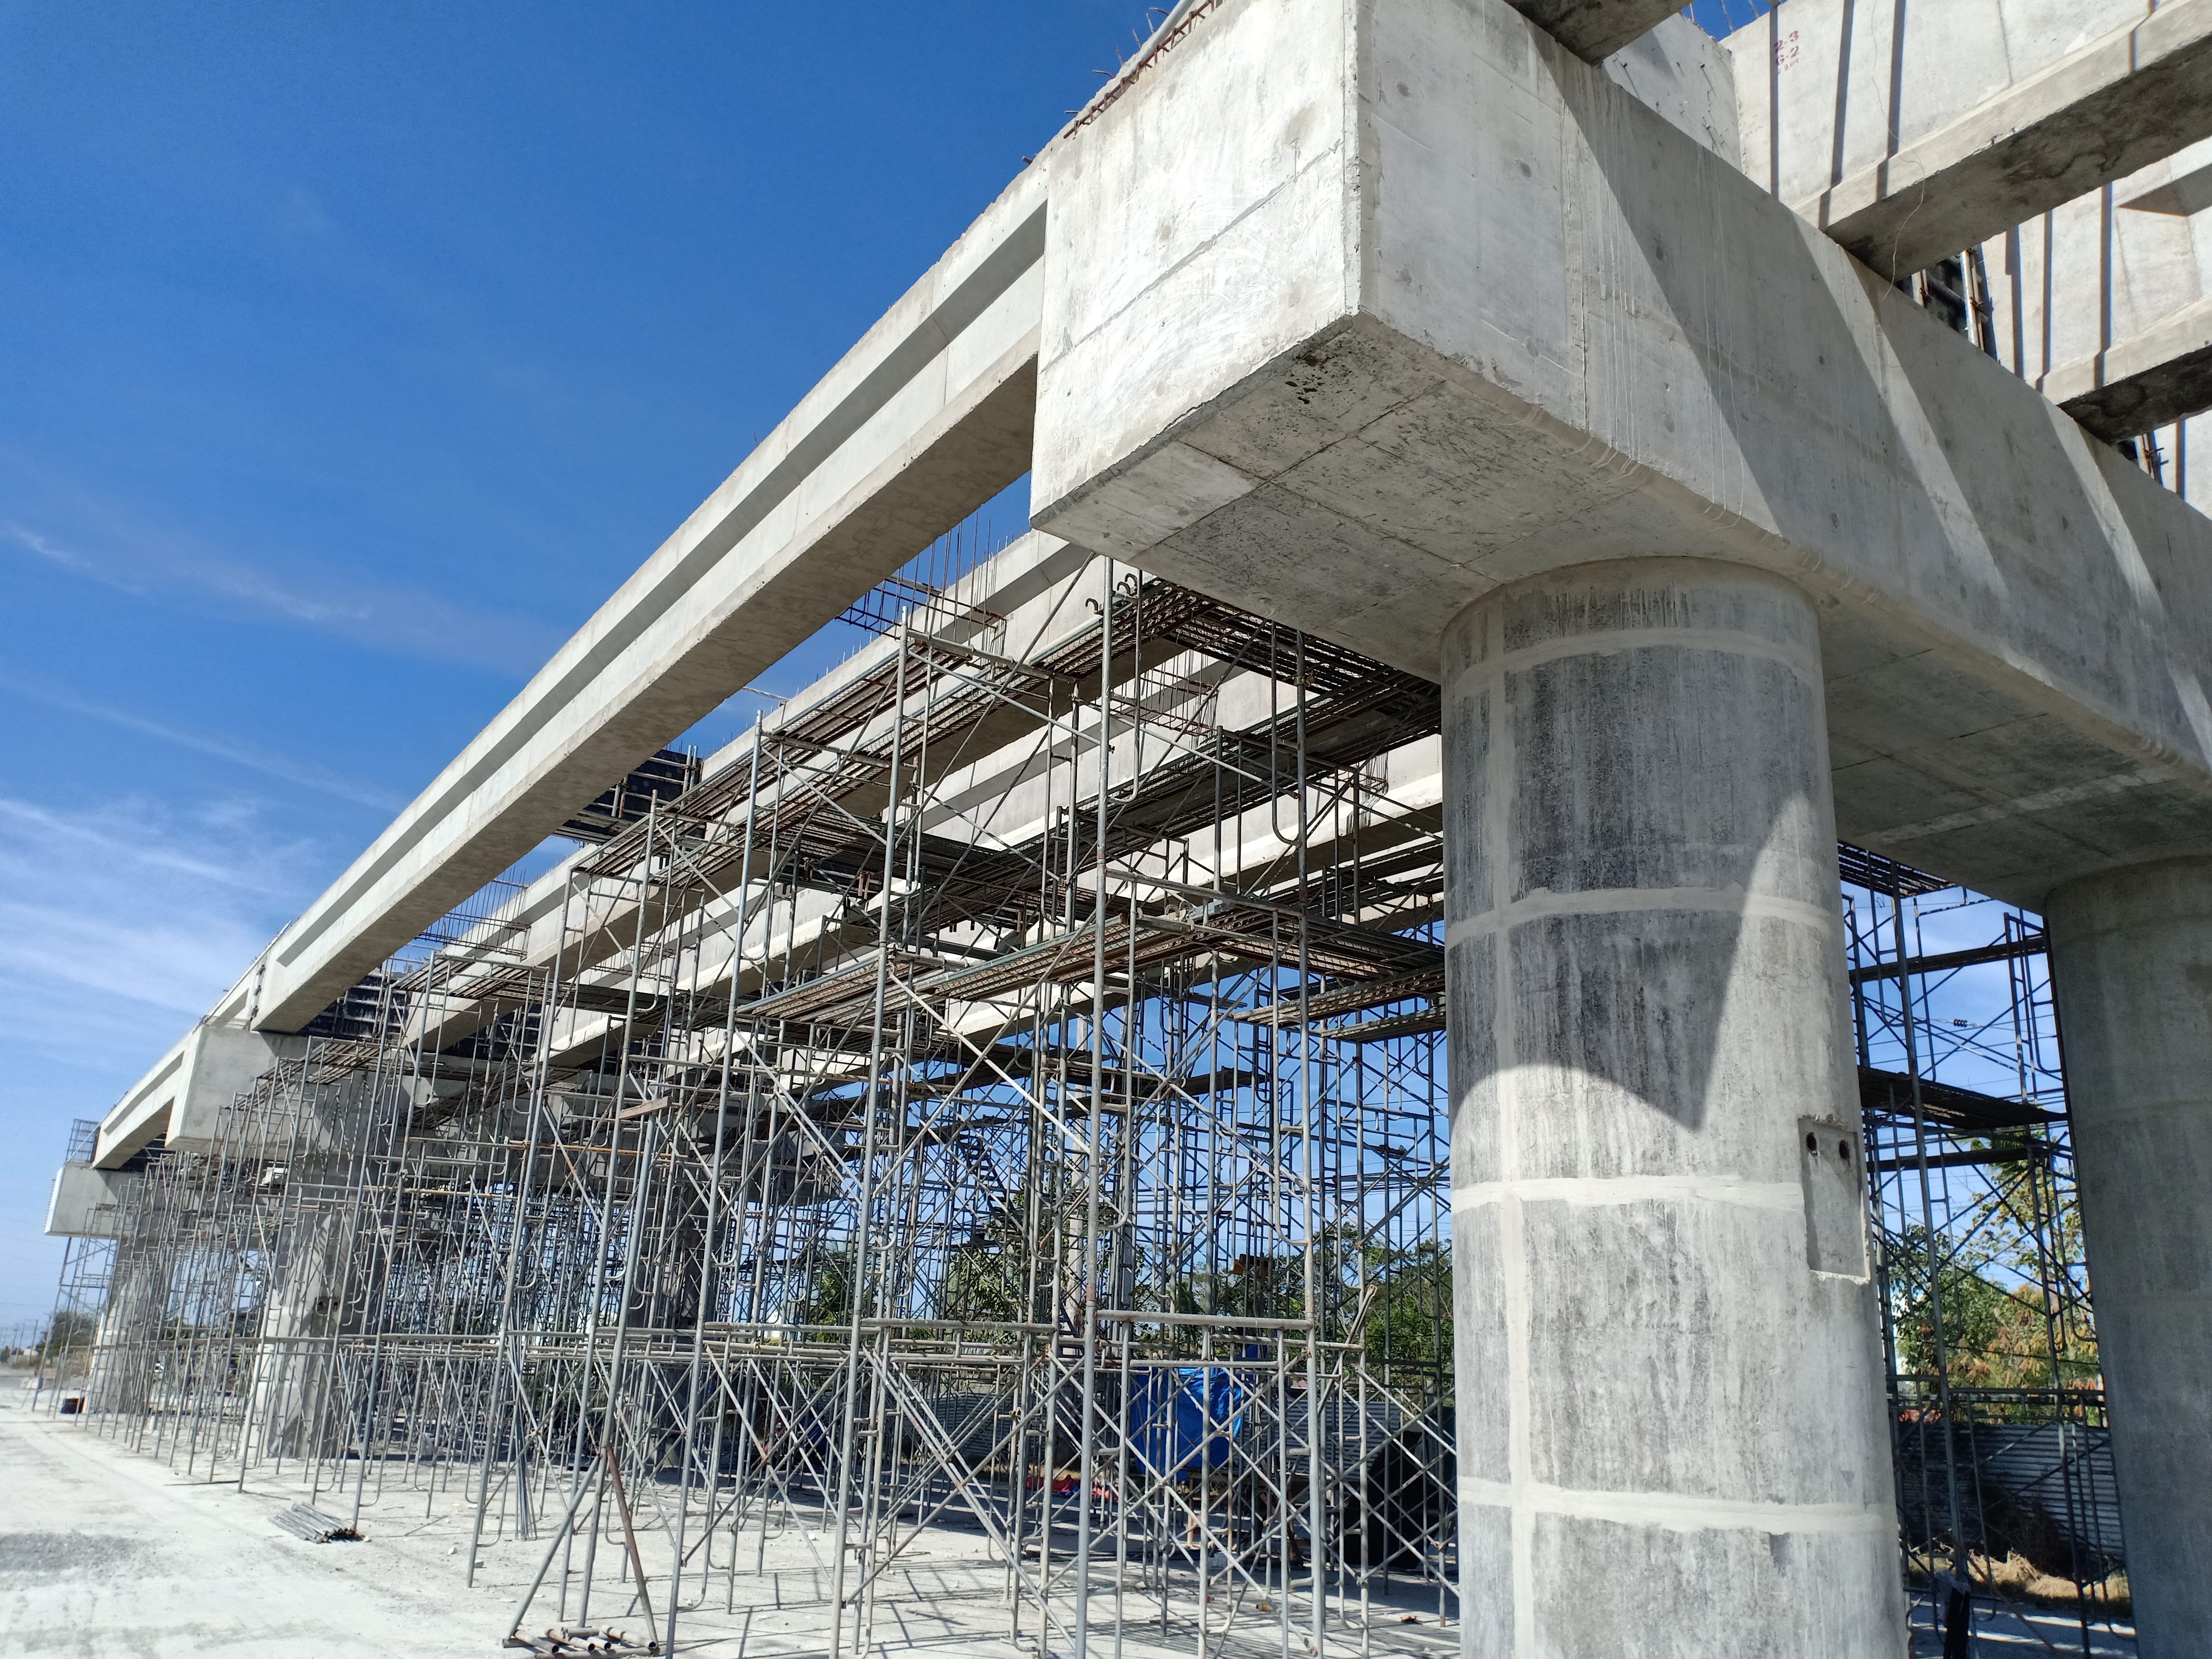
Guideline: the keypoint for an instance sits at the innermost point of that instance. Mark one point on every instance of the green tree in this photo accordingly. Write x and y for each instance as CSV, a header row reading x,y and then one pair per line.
x,y
983,1279
70,1332
824,1297
1996,1329
1409,1315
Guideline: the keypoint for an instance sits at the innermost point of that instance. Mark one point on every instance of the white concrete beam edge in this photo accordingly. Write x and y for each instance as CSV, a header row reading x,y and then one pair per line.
x,y
2132,96
2149,380
1595,29
923,420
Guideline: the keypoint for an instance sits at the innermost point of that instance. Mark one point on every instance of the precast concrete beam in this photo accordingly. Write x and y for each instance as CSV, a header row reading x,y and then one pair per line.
x,y
2100,302
2131,969
1034,598
998,800
1595,29
2186,192
2149,380
1672,1414
1907,147
926,419
1357,315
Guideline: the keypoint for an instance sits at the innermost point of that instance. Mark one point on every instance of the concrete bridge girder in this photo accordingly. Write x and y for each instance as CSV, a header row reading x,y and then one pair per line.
x,y
2038,102
2068,137
178,1100
924,421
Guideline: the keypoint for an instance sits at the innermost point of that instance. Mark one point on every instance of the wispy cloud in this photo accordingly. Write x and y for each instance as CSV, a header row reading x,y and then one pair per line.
x,y
38,837
151,910
53,553
407,620
121,922
119,925
268,762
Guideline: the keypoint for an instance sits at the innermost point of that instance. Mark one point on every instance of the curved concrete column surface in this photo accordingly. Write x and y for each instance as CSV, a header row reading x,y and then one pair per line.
x,y
309,1302
2131,964
1671,1418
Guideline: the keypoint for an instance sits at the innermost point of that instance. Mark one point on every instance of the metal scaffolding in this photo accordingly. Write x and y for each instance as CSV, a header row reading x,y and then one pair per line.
x,y
1003,1094
2002,1449
975,1101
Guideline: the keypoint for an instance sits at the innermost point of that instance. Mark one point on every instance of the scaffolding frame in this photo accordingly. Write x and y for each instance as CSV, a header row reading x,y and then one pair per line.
x,y
858,1159
1005,1090
2000,1438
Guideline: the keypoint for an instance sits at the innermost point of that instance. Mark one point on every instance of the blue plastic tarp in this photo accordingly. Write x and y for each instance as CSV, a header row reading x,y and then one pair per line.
x,y
1181,1420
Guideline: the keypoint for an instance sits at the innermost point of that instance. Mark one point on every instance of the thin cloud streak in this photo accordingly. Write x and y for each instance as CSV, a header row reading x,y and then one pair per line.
x,y
266,761
405,621
91,843
151,914
121,922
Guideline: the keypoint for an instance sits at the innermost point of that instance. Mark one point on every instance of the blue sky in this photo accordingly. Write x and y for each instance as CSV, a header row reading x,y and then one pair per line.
x,y
349,355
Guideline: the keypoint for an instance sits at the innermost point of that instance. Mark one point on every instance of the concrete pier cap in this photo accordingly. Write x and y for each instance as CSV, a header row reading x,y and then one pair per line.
x,y
1354,312
1395,318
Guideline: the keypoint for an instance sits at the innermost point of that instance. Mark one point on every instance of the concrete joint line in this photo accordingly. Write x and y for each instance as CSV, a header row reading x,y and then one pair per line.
x,y
1594,1190
1676,1512
1725,641
1607,901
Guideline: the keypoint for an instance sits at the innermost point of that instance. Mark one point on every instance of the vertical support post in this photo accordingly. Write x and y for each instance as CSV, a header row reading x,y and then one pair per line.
x,y
1087,1287
1670,1403
2131,968
862,1222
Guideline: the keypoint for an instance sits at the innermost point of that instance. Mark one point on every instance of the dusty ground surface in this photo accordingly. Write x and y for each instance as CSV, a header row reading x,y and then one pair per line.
x,y
2025,1631
107,1553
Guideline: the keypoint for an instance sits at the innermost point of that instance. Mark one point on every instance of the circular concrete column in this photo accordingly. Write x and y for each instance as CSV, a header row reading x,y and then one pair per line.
x,y
1672,1426
2131,965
